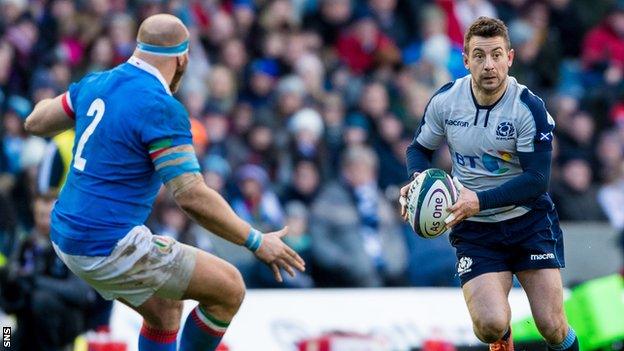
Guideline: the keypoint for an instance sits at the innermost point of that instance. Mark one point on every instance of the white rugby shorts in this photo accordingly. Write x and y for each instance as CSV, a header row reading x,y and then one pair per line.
x,y
141,265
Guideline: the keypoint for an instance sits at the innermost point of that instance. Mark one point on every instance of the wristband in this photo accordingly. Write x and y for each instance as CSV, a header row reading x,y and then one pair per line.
x,y
254,240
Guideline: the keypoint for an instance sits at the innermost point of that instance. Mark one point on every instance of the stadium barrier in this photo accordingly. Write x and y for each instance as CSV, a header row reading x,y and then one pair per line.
x,y
401,319
592,250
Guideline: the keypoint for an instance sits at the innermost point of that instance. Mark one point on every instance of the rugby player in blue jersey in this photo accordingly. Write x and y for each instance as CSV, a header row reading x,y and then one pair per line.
x,y
131,137
504,222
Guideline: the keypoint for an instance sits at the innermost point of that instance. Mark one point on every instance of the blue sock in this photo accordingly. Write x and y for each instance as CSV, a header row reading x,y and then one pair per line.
x,y
152,339
202,331
570,343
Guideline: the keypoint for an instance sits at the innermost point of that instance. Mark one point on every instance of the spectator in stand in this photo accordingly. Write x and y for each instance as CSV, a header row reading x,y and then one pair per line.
x,y
8,224
122,29
576,197
15,136
257,203
200,138
467,11
216,125
330,20
357,238
536,45
262,149
610,157
603,47
306,181
216,171
357,130
305,142
391,158
611,198
576,139
363,46
391,20
374,102
565,16
310,68
48,300
222,91
333,112
234,56
290,97
262,79
101,55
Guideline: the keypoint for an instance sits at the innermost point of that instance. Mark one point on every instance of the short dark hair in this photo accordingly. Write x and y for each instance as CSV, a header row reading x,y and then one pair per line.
x,y
488,28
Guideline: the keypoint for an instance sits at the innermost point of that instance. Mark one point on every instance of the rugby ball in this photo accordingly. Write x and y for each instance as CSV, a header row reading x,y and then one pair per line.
x,y
428,197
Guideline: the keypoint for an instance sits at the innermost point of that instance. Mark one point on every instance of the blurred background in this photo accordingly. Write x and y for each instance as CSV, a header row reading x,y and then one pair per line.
x,y
294,104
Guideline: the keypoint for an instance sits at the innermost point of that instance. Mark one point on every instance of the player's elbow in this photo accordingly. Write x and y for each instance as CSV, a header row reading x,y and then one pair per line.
x,y
191,197
187,200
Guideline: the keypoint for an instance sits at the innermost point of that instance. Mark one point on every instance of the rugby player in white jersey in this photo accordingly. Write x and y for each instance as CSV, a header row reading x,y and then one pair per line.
x,y
504,222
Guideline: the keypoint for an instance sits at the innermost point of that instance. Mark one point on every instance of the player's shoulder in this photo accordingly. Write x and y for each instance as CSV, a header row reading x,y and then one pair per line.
x,y
165,104
90,82
531,105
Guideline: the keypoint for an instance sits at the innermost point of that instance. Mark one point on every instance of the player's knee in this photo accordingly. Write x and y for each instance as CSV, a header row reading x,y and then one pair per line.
x,y
231,296
236,290
553,329
489,330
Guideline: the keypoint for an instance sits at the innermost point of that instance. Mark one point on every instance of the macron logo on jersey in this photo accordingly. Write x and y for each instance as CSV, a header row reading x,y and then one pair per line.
x,y
453,122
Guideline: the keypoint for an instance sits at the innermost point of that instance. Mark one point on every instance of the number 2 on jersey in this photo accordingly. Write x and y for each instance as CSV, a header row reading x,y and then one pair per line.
x,y
97,108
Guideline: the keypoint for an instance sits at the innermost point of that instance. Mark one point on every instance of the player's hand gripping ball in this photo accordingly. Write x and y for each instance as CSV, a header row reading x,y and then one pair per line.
x,y
427,200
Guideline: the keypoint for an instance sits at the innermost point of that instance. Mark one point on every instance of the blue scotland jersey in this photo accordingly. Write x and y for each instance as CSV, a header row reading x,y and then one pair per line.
x,y
121,115
484,141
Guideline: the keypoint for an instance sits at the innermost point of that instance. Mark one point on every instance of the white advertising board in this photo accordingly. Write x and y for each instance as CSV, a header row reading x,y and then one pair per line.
x,y
274,320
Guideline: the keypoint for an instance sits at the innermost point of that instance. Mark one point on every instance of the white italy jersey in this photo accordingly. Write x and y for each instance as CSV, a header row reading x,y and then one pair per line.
x,y
484,140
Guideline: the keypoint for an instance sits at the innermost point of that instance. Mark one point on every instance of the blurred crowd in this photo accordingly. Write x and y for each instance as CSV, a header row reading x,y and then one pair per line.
x,y
301,112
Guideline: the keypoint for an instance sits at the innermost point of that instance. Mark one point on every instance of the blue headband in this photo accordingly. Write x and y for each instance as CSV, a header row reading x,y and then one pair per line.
x,y
175,50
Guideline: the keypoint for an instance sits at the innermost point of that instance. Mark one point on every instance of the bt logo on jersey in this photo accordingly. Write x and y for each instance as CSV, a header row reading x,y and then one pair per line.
x,y
465,160
489,162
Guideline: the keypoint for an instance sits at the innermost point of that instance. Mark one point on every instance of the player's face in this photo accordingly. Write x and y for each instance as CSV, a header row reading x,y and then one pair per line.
x,y
182,62
488,60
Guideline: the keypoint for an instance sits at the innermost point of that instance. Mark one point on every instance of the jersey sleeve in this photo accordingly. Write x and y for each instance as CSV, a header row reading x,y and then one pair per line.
x,y
167,124
431,132
167,135
535,126
68,98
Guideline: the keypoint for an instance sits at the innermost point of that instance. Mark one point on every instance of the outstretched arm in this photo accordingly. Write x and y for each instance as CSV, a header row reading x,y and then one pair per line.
x,y
51,116
212,212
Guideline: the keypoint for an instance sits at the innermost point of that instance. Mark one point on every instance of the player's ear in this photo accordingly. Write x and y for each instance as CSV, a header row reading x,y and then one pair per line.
x,y
510,57
465,58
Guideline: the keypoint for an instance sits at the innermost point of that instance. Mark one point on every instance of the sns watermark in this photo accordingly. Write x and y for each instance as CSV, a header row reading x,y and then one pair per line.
x,y
6,337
